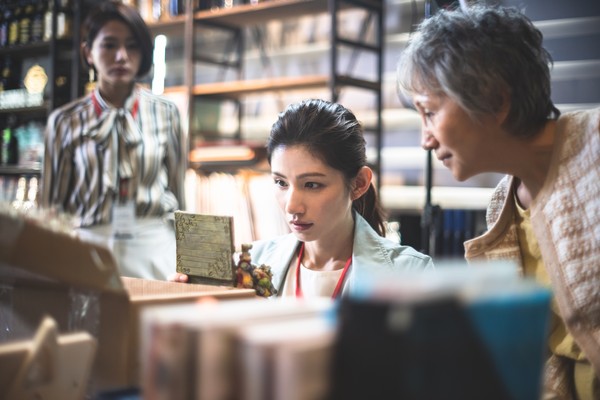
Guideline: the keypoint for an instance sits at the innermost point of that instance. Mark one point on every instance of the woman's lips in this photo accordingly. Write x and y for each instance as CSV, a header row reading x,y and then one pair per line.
x,y
300,226
445,158
120,71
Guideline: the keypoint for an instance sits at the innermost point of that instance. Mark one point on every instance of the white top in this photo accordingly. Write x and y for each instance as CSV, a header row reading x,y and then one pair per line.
x,y
313,283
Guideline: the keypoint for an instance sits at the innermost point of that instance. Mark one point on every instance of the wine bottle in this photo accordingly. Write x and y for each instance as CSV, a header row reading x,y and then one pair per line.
x,y
63,20
48,21
37,22
8,79
10,145
13,25
25,23
4,11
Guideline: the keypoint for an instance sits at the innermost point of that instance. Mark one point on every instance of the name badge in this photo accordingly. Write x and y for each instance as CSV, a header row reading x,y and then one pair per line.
x,y
123,218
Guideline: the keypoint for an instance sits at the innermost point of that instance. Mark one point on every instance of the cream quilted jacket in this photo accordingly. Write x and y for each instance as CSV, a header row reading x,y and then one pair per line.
x,y
566,220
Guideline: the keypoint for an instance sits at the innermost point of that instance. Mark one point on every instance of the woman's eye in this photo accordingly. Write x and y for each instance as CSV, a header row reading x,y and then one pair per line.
x,y
279,182
428,116
313,185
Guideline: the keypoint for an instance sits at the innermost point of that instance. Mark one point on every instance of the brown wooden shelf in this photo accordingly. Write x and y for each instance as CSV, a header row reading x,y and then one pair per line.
x,y
235,89
175,89
31,49
244,87
37,110
253,14
19,170
25,50
168,25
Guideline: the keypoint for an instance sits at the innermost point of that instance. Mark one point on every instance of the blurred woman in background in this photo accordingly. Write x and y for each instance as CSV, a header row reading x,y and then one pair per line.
x,y
113,157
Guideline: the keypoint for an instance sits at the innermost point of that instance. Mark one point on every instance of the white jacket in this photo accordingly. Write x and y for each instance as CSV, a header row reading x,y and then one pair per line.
x,y
370,252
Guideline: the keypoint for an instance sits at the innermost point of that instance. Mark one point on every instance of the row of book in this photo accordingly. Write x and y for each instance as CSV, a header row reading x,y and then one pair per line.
x,y
446,232
454,227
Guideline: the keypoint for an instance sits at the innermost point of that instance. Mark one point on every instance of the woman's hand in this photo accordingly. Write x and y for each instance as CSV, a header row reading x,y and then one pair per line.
x,y
177,277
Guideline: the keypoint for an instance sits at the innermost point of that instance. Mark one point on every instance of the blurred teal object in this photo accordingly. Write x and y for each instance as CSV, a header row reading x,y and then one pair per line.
x,y
514,328
458,332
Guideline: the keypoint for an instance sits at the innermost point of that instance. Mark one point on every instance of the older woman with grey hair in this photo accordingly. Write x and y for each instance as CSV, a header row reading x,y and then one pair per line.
x,y
480,80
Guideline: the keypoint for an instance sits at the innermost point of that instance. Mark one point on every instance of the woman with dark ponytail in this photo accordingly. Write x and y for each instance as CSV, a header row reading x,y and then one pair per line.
x,y
331,133
324,187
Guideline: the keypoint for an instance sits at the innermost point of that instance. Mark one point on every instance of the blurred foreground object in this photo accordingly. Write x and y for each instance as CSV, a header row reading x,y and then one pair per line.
x,y
50,366
475,332
77,283
243,350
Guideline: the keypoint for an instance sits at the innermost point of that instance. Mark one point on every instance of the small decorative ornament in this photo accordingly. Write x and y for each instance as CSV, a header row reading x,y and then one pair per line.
x,y
35,80
248,276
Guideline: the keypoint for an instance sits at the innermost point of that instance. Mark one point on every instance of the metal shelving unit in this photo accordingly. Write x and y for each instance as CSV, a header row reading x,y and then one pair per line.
x,y
240,20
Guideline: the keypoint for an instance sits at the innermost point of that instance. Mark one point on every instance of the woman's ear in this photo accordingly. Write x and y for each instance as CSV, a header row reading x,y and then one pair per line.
x,y
362,181
504,109
87,56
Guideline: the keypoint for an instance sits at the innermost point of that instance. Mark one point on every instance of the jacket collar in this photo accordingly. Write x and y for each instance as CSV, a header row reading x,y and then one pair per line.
x,y
369,251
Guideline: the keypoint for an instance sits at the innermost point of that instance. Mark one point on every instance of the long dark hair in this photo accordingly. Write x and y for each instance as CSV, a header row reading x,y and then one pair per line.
x,y
115,10
331,133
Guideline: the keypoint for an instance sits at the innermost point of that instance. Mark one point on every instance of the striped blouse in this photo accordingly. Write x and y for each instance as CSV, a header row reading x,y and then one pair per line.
x,y
96,154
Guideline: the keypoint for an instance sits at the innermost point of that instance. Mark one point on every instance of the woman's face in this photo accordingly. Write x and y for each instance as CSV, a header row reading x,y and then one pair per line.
x,y
464,145
115,54
313,196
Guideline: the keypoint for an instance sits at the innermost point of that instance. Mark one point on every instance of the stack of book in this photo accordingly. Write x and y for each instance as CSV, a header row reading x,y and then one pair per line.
x,y
247,349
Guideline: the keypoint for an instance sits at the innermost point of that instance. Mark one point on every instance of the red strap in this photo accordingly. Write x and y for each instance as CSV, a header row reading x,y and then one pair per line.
x,y
338,286
96,104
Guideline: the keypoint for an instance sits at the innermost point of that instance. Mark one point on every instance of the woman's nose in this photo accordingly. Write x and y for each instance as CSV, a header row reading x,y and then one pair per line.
x,y
428,141
293,203
122,53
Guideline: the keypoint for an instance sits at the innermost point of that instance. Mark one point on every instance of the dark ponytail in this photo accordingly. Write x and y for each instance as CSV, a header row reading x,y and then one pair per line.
x,y
369,207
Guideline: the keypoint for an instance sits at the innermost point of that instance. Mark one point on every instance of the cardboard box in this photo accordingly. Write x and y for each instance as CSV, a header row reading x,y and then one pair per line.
x,y
47,271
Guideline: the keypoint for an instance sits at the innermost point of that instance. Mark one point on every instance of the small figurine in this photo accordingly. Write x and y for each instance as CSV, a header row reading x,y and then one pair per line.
x,y
252,276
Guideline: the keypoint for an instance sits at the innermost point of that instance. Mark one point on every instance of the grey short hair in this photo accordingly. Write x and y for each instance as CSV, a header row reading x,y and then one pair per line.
x,y
478,58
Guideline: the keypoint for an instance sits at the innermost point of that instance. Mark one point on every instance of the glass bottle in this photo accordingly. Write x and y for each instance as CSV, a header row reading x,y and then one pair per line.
x,y
3,25
13,25
48,15
8,80
37,22
25,23
63,19
10,145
